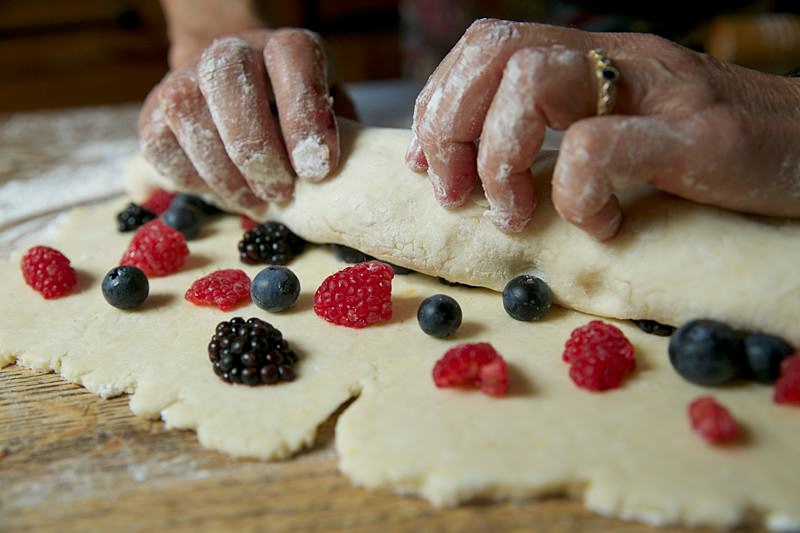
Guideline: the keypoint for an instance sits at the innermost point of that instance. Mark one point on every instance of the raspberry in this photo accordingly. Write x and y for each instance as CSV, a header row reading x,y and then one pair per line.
x,y
356,296
787,389
712,420
224,288
156,249
158,201
600,356
247,223
48,271
472,365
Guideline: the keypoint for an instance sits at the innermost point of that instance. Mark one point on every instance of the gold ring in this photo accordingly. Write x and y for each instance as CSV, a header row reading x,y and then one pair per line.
x,y
607,76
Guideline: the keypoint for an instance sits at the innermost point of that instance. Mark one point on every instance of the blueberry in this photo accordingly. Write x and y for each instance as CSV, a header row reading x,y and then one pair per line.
x,y
196,202
706,352
125,287
526,298
439,315
764,354
184,219
349,255
275,289
398,270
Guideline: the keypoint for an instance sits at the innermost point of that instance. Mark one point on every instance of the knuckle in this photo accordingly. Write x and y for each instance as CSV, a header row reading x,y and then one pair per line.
x,y
491,32
179,93
228,46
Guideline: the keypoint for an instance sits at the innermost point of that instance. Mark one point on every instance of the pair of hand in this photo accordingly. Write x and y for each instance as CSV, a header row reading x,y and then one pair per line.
x,y
683,122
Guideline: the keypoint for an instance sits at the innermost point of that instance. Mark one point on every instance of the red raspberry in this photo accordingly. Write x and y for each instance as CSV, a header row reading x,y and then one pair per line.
x,y
248,223
224,288
48,271
156,249
356,296
787,389
600,355
712,420
158,201
472,365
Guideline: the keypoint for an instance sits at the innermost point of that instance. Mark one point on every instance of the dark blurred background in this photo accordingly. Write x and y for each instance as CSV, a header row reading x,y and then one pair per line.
x,y
56,53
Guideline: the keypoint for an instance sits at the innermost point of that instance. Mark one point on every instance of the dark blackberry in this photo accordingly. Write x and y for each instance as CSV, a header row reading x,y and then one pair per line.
x,y
132,217
654,328
250,353
271,243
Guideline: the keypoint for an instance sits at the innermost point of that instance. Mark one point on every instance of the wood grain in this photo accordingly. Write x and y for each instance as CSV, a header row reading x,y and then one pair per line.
x,y
72,462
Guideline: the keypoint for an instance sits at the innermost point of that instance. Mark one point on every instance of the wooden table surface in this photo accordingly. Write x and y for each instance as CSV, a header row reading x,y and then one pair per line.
x,y
72,461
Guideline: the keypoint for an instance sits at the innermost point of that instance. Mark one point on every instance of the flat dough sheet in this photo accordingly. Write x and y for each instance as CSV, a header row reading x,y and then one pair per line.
x,y
628,452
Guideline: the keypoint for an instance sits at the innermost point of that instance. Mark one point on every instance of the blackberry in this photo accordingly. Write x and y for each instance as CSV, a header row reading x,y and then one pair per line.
x,y
271,243
132,217
251,353
654,328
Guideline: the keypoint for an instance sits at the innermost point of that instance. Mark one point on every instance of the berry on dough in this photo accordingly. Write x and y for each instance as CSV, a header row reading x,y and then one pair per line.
x,y
712,421
271,243
158,201
125,287
275,289
526,298
787,389
251,353
600,356
707,352
439,315
472,365
156,249
356,296
223,288
48,271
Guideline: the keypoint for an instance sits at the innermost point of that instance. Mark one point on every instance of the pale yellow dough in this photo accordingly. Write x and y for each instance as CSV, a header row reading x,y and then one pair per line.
x,y
628,452
672,261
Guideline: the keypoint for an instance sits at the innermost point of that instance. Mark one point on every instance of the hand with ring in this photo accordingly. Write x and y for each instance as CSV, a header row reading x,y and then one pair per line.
x,y
635,109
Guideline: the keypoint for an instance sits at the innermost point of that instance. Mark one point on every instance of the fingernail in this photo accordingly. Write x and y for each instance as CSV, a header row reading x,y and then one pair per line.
x,y
415,158
311,158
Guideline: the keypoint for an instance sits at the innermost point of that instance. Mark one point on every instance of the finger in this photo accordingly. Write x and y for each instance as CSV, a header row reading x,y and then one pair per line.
x,y
232,78
298,71
415,158
539,87
187,115
160,148
458,103
601,154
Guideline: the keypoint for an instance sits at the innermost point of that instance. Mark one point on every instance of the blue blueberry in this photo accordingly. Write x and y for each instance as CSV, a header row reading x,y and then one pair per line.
x,y
439,315
526,298
765,353
196,202
654,328
185,219
349,255
398,270
125,287
706,352
275,289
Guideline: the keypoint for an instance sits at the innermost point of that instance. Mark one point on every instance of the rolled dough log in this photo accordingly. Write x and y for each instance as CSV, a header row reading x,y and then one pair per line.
x,y
672,261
